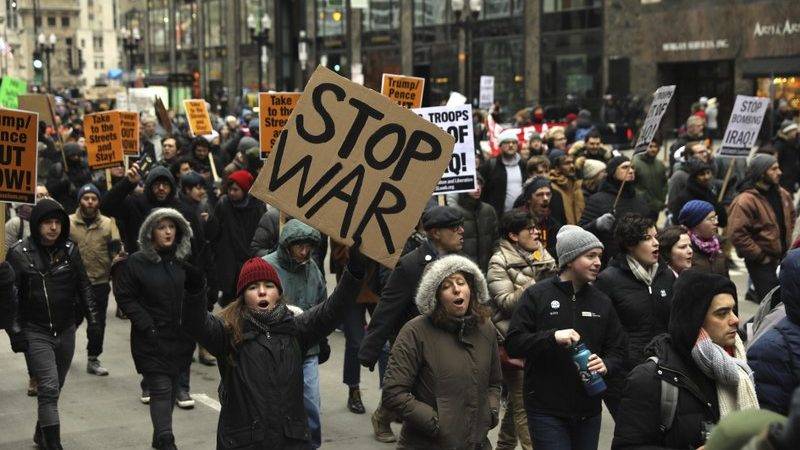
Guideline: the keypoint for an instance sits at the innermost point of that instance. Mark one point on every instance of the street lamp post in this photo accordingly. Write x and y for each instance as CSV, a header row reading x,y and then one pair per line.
x,y
466,13
47,46
261,38
130,41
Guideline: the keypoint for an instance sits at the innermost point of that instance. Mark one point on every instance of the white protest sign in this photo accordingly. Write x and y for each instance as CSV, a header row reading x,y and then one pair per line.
x,y
661,98
457,121
486,98
744,125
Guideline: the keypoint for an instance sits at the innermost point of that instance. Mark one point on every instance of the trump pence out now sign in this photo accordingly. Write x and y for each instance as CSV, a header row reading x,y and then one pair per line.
x,y
355,165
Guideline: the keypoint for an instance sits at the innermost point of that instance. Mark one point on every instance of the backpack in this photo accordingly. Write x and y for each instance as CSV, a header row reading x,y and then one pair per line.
x,y
669,401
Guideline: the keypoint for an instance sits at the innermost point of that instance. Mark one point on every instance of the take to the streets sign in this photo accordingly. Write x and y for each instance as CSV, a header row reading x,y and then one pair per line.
x,y
744,125
405,91
661,99
196,112
18,138
105,143
355,165
274,109
460,175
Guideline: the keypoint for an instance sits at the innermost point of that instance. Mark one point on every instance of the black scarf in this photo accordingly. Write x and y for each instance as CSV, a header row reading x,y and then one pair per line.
x,y
262,321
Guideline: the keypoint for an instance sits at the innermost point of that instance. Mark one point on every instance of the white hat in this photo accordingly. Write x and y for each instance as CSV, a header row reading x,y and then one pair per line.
x,y
507,135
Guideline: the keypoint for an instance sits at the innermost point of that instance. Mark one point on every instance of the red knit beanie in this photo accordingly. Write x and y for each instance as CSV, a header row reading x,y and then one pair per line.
x,y
256,269
242,178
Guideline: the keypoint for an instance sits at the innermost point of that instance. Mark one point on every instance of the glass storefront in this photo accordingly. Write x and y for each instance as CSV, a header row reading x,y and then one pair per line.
x,y
787,88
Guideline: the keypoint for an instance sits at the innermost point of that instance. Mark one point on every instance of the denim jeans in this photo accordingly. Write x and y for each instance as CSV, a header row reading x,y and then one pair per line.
x,y
311,399
355,321
183,381
558,433
49,358
96,334
163,389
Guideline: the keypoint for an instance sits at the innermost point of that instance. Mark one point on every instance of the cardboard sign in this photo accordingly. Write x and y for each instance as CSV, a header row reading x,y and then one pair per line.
x,y
196,112
10,89
661,98
162,115
18,139
486,97
42,104
406,91
457,121
744,125
103,139
129,132
274,109
353,164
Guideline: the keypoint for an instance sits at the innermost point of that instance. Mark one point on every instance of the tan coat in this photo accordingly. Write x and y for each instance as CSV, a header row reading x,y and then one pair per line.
x,y
753,228
509,275
571,191
94,244
446,375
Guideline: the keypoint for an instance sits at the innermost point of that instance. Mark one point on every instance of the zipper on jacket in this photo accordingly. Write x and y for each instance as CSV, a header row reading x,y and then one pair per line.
x,y
47,303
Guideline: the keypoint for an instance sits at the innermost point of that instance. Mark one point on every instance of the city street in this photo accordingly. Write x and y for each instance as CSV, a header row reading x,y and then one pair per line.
x,y
105,412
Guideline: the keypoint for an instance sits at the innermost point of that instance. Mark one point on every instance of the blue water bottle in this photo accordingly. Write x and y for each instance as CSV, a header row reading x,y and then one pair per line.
x,y
592,381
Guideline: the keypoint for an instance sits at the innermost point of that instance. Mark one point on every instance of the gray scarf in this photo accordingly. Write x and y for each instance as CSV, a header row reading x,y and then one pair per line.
x,y
263,320
644,275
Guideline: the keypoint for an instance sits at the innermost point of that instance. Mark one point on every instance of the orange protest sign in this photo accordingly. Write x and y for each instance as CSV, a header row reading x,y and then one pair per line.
x,y
18,138
103,139
406,91
274,109
196,112
129,131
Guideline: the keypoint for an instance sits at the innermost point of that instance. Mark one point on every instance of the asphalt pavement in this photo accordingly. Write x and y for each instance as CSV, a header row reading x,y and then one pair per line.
x,y
105,412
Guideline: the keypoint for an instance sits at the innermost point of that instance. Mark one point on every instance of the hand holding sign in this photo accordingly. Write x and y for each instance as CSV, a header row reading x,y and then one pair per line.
x,y
354,165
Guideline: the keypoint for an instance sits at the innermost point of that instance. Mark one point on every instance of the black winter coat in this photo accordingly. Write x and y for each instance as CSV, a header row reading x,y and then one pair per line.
x,y
8,296
643,311
639,417
261,390
493,172
790,163
50,289
150,290
480,230
229,230
694,191
551,384
265,238
396,305
601,203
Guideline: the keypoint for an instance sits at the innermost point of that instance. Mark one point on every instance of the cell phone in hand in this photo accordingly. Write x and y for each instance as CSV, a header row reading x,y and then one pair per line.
x,y
145,164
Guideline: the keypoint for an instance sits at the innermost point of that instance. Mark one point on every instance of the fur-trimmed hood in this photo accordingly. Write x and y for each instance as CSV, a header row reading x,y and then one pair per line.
x,y
183,246
442,268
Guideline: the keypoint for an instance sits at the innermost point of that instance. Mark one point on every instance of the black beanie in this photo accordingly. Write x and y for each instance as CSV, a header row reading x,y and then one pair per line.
x,y
534,185
691,297
613,164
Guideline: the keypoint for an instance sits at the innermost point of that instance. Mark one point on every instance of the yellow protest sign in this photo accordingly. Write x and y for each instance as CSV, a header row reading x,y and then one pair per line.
x,y
406,91
196,112
355,165
274,109
18,139
103,139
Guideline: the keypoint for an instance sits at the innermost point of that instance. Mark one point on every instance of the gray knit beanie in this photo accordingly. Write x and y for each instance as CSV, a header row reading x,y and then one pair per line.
x,y
442,268
573,241
759,165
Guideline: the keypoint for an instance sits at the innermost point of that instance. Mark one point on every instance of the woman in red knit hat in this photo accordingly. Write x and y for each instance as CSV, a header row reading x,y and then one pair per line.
x,y
259,342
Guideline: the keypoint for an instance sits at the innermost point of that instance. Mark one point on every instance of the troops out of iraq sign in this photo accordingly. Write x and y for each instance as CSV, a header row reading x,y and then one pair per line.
x,y
18,138
661,99
460,175
355,165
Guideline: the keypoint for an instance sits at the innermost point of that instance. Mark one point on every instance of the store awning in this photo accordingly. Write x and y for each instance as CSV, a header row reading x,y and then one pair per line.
x,y
766,67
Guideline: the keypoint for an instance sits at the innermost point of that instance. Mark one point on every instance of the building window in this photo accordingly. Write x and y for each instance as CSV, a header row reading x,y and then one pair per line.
x,y
382,15
37,22
214,23
550,6
430,12
64,21
331,19
51,21
494,9
184,26
68,41
97,42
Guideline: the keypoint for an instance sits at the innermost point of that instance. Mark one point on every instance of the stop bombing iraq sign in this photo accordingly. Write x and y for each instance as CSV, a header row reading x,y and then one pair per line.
x,y
353,164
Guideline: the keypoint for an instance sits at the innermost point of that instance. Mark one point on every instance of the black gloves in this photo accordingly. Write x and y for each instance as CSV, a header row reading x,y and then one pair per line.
x,y
357,262
195,280
19,343
324,351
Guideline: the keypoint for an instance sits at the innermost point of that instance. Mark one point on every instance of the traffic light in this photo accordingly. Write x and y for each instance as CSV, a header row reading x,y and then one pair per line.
x,y
38,65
